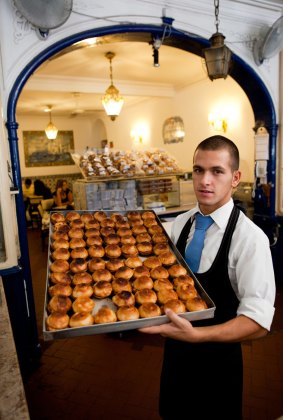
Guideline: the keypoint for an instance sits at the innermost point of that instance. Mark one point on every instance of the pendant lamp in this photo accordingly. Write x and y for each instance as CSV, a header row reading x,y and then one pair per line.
x,y
217,56
51,130
112,101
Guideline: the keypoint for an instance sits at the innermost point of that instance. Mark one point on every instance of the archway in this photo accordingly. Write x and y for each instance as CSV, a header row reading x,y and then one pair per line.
x,y
243,74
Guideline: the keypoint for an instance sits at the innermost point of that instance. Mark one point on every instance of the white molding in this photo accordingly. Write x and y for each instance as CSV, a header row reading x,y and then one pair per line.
x,y
90,85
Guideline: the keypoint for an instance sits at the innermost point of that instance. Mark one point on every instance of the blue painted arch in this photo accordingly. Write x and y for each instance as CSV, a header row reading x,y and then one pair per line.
x,y
243,74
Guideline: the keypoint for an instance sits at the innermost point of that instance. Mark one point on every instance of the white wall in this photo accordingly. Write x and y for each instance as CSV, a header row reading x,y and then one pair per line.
x,y
81,127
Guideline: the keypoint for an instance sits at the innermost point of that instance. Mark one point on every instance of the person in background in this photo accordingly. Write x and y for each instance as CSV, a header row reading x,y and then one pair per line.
x,y
41,189
28,191
28,188
202,372
63,196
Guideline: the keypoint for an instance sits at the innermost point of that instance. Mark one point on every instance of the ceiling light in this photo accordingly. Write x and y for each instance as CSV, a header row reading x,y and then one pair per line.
x,y
51,130
112,101
155,57
217,56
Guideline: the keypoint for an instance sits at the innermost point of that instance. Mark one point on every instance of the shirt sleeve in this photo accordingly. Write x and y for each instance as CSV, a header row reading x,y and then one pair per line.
x,y
253,268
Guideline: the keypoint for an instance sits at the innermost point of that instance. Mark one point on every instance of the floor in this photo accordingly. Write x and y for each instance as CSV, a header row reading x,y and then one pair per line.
x,y
110,376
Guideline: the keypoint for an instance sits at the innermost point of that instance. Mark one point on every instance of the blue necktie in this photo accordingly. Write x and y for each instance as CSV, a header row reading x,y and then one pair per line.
x,y
194,249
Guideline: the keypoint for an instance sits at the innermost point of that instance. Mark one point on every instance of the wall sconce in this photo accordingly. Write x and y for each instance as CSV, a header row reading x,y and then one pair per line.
x,y
51,130
218,122
140,133
136,136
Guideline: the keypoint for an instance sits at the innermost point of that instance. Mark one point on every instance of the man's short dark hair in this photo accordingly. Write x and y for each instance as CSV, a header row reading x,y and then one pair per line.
x,y
220,142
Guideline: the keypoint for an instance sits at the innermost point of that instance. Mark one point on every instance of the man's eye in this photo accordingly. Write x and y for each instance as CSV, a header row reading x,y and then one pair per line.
x,y
197,170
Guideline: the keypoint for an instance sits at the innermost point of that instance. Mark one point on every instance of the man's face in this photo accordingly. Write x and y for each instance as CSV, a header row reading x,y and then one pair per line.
x,y
213,179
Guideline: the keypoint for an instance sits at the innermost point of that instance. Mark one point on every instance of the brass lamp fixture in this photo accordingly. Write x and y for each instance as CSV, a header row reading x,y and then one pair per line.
x,y
112,101
51,130
217,56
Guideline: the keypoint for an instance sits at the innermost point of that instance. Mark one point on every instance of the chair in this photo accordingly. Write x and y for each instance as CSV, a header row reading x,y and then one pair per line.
x,y
34,202
44,209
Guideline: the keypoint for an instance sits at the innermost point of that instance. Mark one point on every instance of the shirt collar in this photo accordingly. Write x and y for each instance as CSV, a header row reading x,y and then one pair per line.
x,y
219,216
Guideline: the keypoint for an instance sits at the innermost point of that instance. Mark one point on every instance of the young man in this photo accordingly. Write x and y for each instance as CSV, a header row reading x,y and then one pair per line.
x,y
202,374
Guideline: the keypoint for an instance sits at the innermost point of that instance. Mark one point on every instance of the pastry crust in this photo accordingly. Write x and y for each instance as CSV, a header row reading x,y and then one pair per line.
x,y
81,319
114,264
79,252
124,298
149,310
103,274
142,282
121,284
78,265
61,254
57,321
127,313
84,290
105,315
83,277
145,295
77,243
152,262
164,295
175,305
83,304
60,289
59,266
102,289
133,262
195,304
57,217
96,263
59,303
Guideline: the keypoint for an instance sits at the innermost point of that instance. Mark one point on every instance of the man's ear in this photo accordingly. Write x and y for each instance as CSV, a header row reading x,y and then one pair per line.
x,y
236,178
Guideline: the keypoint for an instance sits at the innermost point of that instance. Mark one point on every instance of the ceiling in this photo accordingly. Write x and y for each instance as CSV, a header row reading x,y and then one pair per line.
x,y
74,83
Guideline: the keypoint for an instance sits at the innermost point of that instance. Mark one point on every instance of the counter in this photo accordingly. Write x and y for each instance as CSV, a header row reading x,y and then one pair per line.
x,y
13,403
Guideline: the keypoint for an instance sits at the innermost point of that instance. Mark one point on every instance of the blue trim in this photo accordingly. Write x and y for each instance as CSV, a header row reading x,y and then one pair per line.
x,y
264,111
11,270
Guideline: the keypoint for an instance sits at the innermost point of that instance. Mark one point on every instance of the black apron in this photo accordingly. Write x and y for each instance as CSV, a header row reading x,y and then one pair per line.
x,y
205,380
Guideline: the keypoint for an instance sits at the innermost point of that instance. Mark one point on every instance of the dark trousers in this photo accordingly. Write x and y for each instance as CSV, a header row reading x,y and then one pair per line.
x,y
201,381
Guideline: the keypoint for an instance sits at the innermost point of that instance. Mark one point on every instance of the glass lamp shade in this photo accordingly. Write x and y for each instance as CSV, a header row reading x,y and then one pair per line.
x,y
217,57
51,131
112,102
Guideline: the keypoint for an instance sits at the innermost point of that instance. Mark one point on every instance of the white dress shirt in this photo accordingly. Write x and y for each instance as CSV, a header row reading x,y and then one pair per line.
x,y
250,265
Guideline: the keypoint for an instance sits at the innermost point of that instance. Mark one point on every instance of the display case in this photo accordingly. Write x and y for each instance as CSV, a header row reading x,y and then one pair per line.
x,y
158,192
127,193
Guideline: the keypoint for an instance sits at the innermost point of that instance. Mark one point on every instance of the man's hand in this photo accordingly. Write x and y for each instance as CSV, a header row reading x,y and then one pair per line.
x,y
178,329
237,329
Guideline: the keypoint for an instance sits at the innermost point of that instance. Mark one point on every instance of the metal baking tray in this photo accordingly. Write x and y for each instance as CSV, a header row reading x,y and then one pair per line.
x,y
119,326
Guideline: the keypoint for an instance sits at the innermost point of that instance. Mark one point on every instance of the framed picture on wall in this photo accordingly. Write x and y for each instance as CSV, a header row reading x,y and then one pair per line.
x,y
39,151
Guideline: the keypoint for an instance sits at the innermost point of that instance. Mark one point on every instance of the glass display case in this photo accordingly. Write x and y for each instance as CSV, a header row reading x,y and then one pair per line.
x,y
126,193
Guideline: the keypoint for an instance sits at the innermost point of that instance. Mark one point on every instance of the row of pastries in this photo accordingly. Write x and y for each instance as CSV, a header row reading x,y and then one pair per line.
x,y
123,259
